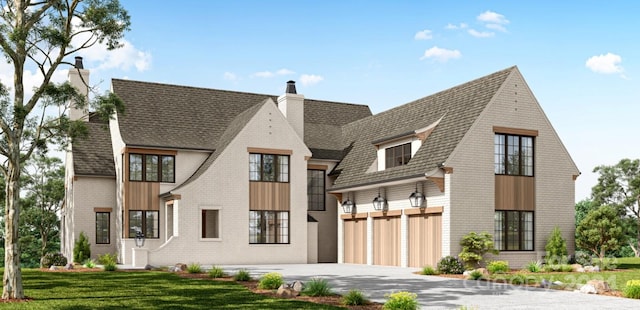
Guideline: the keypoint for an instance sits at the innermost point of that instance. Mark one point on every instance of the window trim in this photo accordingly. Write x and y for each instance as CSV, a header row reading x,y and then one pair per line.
x,y
108,227
219,224
144,223
324,188
277,219
521,231
143,168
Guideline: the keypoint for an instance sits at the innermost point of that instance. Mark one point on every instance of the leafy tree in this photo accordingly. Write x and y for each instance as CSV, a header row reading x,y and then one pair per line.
x,y
600,231
556,248
582,208
81,249
619,186
474,247
41,35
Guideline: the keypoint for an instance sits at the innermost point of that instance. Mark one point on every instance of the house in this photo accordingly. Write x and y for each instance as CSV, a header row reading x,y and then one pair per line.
x,y
221,177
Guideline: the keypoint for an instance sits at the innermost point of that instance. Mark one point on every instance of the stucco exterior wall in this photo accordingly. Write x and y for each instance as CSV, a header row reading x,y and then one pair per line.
x,y
327,223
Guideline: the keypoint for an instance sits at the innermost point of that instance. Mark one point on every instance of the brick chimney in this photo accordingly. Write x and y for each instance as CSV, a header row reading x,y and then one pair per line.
x,y
292,106
79,78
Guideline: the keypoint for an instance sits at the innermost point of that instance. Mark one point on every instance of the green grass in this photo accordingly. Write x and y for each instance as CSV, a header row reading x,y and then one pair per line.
x,y
140,290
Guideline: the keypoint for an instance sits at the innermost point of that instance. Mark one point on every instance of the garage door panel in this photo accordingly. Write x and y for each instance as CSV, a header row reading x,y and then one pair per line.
x,y
425,240
386,241
355,241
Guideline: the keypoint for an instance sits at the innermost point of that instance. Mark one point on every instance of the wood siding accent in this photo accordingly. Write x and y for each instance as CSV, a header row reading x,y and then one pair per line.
x,y
515,131
515,193
143,196
102,209
134,150
355,241
269,196
425,239
431,210
363,215
439,182
386,241
386,213
261,150
317,167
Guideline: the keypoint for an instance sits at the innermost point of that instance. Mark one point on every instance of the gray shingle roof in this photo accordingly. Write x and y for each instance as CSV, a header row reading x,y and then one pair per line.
x,y
93,155
458,107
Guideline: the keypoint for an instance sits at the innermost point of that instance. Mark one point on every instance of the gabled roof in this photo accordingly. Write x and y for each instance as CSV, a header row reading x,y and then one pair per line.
x,y
93,155
456,109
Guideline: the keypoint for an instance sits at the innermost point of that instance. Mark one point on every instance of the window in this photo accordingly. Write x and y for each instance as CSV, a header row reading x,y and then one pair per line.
x,y
210,224
397,155
513,155
102,228
315,190
146,221
268,227
152,168
513,230
268,167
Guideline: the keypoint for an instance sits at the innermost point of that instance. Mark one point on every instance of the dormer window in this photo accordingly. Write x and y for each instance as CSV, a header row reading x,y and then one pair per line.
x,y
397,155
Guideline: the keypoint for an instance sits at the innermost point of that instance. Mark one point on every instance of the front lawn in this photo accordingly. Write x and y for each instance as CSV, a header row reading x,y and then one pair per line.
x,y
140,290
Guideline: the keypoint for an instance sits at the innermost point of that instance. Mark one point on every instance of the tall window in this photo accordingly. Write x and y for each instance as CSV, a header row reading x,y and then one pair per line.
x,y
102,228
210,224
513,155
513,230
152,168
268,227
315,190
148,222
268,167
397,155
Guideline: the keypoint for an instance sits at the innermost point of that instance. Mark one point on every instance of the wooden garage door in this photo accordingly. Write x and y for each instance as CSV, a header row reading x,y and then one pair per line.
x,y
355,241
425,240
386,241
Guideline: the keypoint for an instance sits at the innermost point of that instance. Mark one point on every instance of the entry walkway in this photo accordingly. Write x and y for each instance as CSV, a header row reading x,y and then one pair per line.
x,y
436,292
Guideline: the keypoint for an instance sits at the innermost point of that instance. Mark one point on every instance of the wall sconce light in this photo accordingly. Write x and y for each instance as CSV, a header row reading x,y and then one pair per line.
x,y
348,206
379,203
417,199
139,238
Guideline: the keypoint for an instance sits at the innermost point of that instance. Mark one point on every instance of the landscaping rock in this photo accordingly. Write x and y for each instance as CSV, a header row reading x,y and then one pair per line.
x,y
180,267
592,269
68,266
297,286
286,291
599,285
588,289
149,267
596,269
580,270
53,267
576,267
545,283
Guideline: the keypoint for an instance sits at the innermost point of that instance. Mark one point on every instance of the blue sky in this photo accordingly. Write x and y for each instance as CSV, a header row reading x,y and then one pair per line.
x,y
580,59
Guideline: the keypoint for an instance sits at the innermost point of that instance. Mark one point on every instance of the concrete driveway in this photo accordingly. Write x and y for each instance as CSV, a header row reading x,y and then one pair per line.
x,y
436,292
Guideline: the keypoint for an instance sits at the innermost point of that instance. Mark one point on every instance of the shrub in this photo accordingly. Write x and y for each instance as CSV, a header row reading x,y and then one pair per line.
x,y
428,271
242,275
354,298
270,281
566,268
89,263
110,266
557,268
53,259
450,265
216,272
632,290
81,249
521,278
474,247
475,275
534,266
317,287
556,248
583,258
106,259
194,268
498,266
401,301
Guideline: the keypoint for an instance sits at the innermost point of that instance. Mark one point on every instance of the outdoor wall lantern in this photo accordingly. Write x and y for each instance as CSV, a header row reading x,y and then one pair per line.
x,y
348,206
379,203
417,199
139,239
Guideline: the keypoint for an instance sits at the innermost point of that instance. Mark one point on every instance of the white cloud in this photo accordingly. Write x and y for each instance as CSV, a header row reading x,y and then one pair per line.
x,y
441,54
481,34
284,71
490,17
310,79
269,74
605,64
423,35
452,26
123,58
496,27
230,76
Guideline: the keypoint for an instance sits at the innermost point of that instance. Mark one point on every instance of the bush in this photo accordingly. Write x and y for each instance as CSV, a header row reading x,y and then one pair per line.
x,y
110,266
474,247
534,266
428,271
53,259
317,287
107,259
521,278
583,258
270,281
242,275
216,272
354,298
632,290
89,263
476,275
401,301
556,248
450,265
81,249
498,266
194,268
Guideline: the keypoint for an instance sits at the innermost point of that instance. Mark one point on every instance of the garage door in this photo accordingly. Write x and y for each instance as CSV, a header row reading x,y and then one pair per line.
x,y
425,240
355,241
386,241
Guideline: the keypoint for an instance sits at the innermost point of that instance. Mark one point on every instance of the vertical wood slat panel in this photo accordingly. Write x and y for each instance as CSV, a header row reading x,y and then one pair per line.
x,y
425,240
269,196
386,241
355,241
143,196
515,193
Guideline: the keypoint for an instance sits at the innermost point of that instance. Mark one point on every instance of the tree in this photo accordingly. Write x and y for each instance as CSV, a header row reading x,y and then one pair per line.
x,y
619,186
556,248
474,247
600,231
41,35
583,207
82,249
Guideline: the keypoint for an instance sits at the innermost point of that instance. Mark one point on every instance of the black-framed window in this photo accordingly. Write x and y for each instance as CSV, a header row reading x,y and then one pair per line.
x,y
397,155
146,221
513,230
102,228
268,167
268,227
152,168
315,190
513,155
210,224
